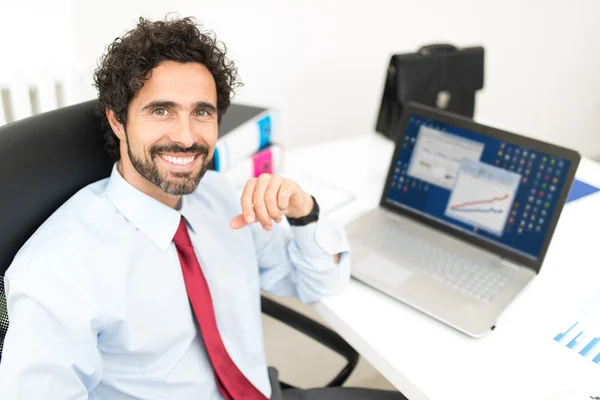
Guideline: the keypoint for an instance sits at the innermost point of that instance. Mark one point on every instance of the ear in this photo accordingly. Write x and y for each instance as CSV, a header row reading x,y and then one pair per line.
x,y
116,126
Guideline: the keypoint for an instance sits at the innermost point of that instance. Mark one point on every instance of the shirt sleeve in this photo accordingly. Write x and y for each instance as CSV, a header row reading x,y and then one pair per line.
x,y
51,345
298,261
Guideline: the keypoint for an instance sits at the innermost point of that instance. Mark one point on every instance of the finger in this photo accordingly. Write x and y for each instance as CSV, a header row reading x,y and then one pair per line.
x,y
271,200
287,189
238,222
258,199
247,198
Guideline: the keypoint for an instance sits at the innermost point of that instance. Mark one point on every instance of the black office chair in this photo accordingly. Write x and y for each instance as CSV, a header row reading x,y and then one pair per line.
x,y
47,158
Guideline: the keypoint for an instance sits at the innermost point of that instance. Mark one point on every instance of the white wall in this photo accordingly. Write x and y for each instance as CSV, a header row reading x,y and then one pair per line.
x,y
322,63
36,38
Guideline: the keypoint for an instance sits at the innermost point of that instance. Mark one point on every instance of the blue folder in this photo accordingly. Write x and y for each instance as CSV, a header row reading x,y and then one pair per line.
x,y
580,189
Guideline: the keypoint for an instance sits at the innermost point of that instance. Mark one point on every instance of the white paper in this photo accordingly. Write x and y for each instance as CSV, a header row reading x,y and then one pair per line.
x,y
329,196
581,331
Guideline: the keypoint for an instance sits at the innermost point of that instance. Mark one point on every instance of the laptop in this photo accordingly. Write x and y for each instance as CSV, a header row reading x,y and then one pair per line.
x,y
466,216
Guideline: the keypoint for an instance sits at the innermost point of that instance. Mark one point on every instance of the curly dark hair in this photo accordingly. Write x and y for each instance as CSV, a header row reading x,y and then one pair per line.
x,y
129,61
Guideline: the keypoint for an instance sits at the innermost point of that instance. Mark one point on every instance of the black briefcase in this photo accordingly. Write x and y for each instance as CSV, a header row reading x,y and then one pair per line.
x,y
438,75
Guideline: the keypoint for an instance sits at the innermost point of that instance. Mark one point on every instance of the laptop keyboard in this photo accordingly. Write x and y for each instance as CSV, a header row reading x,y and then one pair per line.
x,y
475,280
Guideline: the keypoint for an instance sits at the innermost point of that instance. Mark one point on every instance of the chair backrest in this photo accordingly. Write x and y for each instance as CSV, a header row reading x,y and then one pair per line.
x,y
44,160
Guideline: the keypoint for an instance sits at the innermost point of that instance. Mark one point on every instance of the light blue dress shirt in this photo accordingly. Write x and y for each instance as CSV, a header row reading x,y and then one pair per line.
x,y
97,302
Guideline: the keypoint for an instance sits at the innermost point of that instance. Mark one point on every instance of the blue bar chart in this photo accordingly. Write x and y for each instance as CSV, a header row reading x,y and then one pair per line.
x,y
583,335
577,338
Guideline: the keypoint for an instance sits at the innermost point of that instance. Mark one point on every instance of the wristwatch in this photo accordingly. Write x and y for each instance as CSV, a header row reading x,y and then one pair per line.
x,y
307,219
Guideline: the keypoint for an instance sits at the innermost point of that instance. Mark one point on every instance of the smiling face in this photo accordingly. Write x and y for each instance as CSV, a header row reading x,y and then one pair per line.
x,y
171,131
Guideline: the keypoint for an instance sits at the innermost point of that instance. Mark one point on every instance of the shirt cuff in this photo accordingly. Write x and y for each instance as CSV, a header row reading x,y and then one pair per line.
x,y
321,238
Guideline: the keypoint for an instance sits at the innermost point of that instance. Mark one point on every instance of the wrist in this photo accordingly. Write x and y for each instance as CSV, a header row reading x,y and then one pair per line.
x,y
308,206
306,218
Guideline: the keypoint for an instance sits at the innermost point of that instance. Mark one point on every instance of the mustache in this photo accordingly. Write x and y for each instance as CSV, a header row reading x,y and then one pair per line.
x,y
196,148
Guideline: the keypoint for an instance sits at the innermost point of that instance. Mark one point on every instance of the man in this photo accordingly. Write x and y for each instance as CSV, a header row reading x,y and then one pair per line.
x,y
146,285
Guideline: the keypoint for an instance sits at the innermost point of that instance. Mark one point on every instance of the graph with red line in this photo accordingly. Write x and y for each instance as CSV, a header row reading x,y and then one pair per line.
x,y
482,196
484,206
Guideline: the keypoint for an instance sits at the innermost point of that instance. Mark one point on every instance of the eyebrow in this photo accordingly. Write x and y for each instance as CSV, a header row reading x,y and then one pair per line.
x,y
172,104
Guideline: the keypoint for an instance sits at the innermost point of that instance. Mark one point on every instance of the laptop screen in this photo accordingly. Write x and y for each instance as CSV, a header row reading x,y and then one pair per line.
x,y
497,191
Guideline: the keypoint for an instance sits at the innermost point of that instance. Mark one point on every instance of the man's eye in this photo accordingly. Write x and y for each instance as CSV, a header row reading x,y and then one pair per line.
x,y
160,111
201,113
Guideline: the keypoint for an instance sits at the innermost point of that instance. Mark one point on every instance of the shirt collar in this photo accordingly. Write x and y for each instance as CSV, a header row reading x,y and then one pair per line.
x,y
154,219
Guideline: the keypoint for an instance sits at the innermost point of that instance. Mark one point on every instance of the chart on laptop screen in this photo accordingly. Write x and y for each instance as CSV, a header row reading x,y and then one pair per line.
x,y
483,195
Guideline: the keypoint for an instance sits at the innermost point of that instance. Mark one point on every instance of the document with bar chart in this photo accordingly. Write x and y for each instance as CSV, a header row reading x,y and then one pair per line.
x,y
483,195
582,333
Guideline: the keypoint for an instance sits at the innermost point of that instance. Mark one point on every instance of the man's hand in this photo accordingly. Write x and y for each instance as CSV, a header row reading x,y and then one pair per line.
x,y
268,198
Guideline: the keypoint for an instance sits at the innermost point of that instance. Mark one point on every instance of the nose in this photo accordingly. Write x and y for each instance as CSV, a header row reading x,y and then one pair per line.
x,y
183,134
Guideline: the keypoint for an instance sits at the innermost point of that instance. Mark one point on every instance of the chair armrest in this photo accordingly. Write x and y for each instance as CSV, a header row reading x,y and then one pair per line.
x,y
318,332
3,316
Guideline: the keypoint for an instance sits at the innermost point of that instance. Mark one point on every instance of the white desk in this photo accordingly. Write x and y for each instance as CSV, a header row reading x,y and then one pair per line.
x,y
425,359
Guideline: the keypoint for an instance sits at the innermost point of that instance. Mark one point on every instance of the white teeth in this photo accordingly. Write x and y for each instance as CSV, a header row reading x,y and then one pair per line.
x,y
178,160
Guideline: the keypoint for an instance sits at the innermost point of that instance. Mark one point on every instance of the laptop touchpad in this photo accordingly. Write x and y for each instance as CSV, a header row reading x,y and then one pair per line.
x,y
382,269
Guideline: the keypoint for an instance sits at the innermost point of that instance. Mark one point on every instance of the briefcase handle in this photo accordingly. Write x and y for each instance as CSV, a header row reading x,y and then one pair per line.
x,y
437,49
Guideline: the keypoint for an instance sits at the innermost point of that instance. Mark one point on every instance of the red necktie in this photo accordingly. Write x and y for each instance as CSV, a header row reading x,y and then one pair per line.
x,y
232,384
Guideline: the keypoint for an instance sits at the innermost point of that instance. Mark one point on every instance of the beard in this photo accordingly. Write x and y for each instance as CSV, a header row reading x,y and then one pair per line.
x,y
175,183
